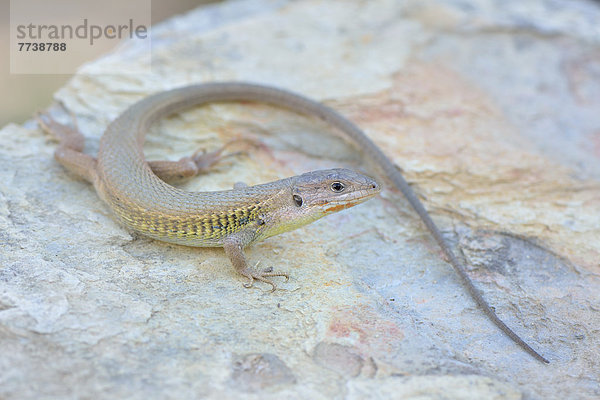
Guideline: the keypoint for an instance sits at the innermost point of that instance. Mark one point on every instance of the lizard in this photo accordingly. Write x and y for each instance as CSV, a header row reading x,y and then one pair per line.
x,y
138,193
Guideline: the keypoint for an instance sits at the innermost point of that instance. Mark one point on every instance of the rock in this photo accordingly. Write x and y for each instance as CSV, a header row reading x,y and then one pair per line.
x,y
490,108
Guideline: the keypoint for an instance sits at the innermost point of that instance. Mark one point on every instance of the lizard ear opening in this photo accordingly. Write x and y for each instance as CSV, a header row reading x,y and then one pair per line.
x,y
298,200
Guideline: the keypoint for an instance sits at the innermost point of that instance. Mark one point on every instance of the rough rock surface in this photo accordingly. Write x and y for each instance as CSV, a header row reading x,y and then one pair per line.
x,y
490,108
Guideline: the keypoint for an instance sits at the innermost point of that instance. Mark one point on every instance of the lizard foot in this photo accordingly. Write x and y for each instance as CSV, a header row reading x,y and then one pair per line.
x,y
262,276
204,160
65,134
198,163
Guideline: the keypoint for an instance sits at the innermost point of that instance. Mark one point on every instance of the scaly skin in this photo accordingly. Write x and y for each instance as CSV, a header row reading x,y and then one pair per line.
x,y
234,218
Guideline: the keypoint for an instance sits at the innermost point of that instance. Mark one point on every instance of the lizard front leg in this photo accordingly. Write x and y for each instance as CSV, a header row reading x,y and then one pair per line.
x,y
198,163
188,167
234,248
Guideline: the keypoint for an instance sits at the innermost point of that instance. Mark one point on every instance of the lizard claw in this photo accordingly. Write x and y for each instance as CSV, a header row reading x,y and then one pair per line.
x,y
263,276
204,160
60,132
49,124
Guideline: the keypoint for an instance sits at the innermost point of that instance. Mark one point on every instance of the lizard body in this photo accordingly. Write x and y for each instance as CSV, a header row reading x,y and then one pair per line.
x,y
234,218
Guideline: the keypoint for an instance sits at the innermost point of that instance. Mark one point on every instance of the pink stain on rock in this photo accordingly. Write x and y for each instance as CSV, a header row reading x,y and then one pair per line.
x,y
369,329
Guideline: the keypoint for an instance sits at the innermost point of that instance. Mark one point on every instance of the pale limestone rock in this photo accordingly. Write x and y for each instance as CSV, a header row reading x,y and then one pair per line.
x,y
490,108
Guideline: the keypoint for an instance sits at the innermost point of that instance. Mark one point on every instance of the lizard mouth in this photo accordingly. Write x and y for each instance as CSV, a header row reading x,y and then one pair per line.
x,y
351,200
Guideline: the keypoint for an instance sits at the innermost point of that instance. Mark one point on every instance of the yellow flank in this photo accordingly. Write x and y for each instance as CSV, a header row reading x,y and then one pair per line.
x,y
201,230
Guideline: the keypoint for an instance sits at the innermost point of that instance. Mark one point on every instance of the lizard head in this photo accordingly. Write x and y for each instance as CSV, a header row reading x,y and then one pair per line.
x,y
316,194
327,191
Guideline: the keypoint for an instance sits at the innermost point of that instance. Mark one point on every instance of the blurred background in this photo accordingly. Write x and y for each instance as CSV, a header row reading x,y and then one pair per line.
x,y
22,95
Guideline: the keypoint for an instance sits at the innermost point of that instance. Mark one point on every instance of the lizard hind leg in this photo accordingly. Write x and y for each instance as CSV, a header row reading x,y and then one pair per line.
x,y
69,152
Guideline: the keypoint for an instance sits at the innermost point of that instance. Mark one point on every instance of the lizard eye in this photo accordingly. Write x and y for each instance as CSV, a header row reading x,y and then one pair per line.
x,y
337,187
298,200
